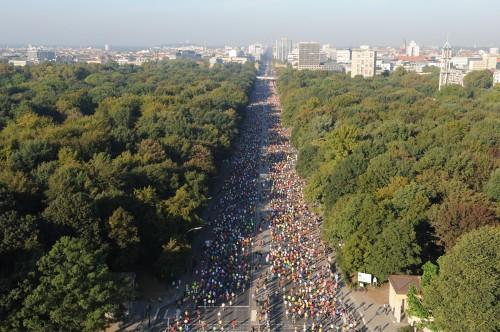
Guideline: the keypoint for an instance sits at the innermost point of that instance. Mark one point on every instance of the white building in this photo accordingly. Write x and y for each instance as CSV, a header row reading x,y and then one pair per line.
x,y
282,48
496,77
309,56
494,50
18,63
238,59
293,58
384,66
363,62
214,61
234,53
344,56
329,51
461,62
412,49
256,50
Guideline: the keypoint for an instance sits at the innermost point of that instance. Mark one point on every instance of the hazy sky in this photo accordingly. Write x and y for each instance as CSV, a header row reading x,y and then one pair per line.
x,y
239,22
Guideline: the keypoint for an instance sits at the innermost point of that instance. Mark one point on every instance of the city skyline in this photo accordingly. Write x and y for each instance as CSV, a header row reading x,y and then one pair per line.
x,y
238,22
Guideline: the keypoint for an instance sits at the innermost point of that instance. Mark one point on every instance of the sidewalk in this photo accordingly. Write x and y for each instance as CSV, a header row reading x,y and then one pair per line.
x,y
370,307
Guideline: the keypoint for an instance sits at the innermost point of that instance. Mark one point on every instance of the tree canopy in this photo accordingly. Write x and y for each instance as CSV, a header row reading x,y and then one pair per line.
x,y
119,157
76,290
399,169
464,294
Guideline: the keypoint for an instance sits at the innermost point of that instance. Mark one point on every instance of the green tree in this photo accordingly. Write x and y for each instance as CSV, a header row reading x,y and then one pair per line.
x,y
478,79
76,212
464,296
122,229
173,259
396,250
492,187
76,291
415,305
17,232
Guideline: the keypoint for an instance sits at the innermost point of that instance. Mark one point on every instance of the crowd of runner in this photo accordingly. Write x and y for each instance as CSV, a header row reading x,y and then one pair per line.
x,y
297,258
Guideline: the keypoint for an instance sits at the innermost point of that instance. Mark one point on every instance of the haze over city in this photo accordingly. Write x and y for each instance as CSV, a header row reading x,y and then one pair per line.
x,y
240,22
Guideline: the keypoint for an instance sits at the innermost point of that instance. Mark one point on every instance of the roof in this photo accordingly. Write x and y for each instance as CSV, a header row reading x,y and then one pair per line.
x,y
401,283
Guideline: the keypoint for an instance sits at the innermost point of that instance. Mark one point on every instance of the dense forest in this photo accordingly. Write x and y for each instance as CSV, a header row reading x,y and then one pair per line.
x,y
102,169
399,170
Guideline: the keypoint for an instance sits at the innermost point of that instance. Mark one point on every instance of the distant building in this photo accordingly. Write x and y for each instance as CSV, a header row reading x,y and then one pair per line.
x,y
39,55
234,53
64,59
309,56
238,59
120,61
461,62
363,62
456,77
412,49
496,77
494,50
449,75
333,66
487,62
329,51
187,54
344,56
282,48
18,63
444,74
293,58
256,51
384,66
214,61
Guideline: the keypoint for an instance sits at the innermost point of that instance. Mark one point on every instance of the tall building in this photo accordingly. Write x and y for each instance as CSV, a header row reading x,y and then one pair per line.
x,y
282,48
309,56
329,51
344,56
256,50
447,74
412,49
38,55
444,74
363,62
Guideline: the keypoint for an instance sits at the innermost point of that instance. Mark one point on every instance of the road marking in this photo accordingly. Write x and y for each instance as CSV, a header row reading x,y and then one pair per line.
x,y
227,306
157,313
166,314
253,316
